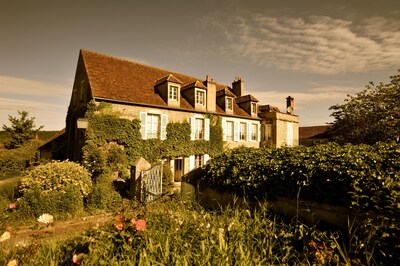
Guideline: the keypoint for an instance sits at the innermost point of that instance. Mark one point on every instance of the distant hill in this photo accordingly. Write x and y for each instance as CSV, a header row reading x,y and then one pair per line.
x,y
43,135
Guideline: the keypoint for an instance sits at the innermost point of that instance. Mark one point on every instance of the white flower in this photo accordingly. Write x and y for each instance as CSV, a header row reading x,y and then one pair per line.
x,y
5,236
13,262
45,218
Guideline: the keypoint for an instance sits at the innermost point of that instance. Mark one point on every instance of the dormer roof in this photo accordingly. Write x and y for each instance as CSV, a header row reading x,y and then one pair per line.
x,y
194,84
166,78
246,98
225,92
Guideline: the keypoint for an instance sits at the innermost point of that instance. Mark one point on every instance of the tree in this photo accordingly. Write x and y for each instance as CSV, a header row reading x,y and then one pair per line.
x,y
22,129
370,116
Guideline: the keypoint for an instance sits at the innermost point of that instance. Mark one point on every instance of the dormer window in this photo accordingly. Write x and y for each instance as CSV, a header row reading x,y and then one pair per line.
x,y
229,104
173,93
253,108
200,97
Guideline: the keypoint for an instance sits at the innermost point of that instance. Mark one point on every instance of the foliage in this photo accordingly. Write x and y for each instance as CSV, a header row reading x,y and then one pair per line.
x,y
370,116
114,143
15,161
103,195
58,188
172,233
360,177
21,130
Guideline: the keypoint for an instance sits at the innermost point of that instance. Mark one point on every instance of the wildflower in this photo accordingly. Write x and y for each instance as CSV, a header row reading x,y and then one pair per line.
x,y
208,226
12,206
140,224
221,231
45,218
13,262
77,258
130,240
5,236
230,226
120,219
119,226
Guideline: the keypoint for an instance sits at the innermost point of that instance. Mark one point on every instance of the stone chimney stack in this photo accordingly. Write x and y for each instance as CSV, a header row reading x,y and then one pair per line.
x,y
238,86
211,94
290,105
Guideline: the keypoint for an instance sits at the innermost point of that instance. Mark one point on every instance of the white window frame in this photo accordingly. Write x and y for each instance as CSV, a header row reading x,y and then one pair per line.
x,y
229,103
200,97
253,132
198,161
153,122
243,131
194,128
161,125
231,136
173,93
253,108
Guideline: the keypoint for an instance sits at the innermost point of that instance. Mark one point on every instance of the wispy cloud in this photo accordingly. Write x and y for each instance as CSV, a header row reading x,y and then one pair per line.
x,y
315,44
46,101
312,105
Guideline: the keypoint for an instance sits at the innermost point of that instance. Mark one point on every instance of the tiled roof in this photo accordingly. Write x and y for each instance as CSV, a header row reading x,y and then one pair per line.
x,y
168,77
246,98
120,80
225,92
193,84
314,132
268,108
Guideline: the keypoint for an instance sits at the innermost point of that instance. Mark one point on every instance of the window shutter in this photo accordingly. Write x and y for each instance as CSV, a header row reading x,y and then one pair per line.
x,y
248,131
164,122
259,133
206,158
224,128
207,129
192,127
143,119
191,162
236,131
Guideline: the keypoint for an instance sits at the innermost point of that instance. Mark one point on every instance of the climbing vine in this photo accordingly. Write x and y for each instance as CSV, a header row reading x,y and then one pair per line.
x,y
114,143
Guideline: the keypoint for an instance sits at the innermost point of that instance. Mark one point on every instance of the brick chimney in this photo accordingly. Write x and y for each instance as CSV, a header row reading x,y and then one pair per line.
x,y
290,105
211,94
238,86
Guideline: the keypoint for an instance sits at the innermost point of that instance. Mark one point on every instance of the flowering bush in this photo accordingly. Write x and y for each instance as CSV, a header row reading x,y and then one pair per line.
x,y
56,176
58,188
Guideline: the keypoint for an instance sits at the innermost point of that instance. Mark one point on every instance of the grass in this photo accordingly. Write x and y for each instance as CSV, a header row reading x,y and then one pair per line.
x,y
179,233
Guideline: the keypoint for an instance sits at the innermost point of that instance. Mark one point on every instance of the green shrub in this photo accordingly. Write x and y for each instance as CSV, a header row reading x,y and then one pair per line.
x,y
58,188
103,197
14,162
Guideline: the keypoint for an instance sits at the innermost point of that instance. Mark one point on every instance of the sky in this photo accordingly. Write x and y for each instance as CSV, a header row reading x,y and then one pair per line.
x,y
315,51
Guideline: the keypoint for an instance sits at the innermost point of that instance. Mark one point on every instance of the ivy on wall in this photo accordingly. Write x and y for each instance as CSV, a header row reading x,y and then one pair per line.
x,y
115,143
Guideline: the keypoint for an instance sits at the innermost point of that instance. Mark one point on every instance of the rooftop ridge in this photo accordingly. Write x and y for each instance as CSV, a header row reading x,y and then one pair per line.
x,y
145,65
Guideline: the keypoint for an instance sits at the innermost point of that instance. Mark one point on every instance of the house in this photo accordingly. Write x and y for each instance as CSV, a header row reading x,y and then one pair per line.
x,y
157,97
314,134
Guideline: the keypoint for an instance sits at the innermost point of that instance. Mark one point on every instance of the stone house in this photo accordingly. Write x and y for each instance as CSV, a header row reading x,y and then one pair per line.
x,y
157,97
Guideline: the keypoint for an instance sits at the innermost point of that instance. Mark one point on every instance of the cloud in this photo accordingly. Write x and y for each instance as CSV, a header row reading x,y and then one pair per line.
x,y
45,101
312,105
315,44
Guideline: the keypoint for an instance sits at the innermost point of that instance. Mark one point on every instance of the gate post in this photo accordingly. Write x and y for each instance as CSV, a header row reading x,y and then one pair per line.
x,y
140,165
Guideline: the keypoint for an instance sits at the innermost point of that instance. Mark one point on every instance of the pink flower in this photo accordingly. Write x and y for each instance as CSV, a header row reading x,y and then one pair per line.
x,y
140,225
119,226
120,219
12,206
77,258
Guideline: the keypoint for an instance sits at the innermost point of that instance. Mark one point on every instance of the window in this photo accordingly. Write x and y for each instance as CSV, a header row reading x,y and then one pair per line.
x,y
199,128
228,103
253,108
198,161
229,130
152,126
242,132
200,95
173,93
253,132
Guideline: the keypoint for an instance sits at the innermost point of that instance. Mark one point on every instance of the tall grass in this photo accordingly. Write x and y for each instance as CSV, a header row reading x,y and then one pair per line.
x,y
186,234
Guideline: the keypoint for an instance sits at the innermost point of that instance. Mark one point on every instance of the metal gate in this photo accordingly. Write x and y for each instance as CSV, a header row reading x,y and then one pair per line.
x,y
151,184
